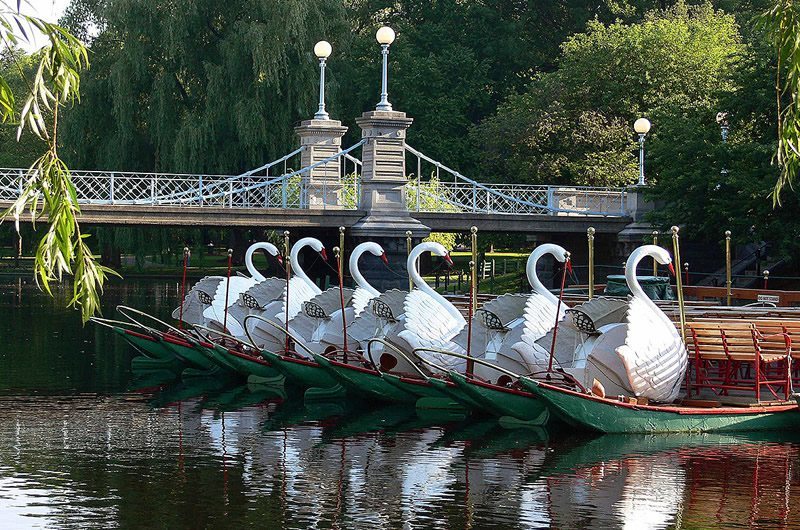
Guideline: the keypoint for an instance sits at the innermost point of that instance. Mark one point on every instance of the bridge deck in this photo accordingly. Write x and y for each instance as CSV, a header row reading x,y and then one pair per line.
x,y
330,218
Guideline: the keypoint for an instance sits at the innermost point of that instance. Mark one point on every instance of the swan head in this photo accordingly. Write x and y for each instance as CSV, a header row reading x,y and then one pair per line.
x,y
272,250
439,250
312,242
658,253
374,249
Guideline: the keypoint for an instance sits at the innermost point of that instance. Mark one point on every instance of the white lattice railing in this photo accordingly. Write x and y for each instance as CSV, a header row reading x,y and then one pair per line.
x,y
453,192
337,188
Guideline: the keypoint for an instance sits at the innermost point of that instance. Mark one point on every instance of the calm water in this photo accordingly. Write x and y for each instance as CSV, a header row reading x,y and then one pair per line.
x,y
83,443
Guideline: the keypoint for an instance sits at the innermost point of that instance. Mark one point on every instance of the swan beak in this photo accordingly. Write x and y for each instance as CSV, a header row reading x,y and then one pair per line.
x,y
280,258
384,258
323,254
568,265
448,259
671,269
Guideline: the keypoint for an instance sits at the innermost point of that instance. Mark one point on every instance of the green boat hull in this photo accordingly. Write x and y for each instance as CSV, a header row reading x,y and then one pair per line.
x,y
147,346
247,366
191,355
609,416
141,364
306,374
365,382
428,395
502,402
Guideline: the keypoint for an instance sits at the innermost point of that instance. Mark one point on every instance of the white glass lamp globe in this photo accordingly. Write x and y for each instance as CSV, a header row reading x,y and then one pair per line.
x,y
385,35
323,49
641,126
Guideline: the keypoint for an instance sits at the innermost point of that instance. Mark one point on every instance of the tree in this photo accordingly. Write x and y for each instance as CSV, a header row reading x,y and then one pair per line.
x,y
782,23
47,190
197,86
573,125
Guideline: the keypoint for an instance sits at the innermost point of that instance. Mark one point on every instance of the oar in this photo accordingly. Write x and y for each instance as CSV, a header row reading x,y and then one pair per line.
x,y
567,268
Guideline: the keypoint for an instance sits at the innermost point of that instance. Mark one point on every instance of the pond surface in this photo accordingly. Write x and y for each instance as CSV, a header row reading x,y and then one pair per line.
x,y
85,443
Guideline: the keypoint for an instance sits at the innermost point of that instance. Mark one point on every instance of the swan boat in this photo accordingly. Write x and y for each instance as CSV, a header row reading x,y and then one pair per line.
x,y
188,350
320,327
642,362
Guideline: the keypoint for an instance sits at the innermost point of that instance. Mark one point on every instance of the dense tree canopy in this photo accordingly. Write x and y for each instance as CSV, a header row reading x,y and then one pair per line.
x,y
573,125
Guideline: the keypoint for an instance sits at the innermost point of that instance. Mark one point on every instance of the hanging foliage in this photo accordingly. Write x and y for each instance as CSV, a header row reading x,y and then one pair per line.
x,y
782,23
47,191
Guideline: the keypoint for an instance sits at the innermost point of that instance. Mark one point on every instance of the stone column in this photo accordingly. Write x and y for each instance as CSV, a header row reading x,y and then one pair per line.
x,y
322,139
383,194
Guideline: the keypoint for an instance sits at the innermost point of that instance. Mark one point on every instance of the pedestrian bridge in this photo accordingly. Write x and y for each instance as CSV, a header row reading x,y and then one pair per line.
x,y
327,192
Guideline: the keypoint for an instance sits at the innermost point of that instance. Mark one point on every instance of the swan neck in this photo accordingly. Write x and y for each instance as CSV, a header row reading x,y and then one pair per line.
x,y
294,255
413,271
633,282
356,273
533,277
248,261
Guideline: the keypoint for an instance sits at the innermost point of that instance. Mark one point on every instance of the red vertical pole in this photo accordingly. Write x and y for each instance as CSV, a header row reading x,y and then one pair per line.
x,y
183,284
558,310
227,289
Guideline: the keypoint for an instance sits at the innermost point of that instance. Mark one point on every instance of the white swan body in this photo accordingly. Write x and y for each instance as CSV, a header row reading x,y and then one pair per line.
x,y
430,320
364,291
215,314
643,356
300,289
539,319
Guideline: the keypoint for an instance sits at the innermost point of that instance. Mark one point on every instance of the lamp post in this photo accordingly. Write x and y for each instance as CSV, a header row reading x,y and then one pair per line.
x,y
385,37
642,127
322,50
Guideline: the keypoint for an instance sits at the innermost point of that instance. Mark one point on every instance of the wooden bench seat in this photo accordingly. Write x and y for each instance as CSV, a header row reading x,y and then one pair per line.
x,y
720,348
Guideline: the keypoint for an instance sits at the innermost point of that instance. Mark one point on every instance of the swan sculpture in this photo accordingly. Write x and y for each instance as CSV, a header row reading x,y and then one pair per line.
x,y
299,289
430,320
539,320
364,292
644,355
229,290
210,291
330,329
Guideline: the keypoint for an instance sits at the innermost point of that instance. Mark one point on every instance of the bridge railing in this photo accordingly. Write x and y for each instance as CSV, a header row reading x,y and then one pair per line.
x,y
448,191
338,188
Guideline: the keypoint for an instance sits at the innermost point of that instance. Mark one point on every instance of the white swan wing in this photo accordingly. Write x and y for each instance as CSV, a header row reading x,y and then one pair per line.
x,y
300,290
361,299
427,319
193,307
653,354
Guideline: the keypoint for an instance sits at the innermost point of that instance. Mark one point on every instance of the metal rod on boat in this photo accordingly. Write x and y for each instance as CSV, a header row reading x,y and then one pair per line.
x,y
567,267
686,271
183,285
676,248
590,239
655,263
339,253
408,251
728,265
473,295
766,278
227,289
288,261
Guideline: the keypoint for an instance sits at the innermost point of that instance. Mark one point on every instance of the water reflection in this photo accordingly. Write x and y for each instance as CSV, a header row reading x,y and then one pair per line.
x,y
82,443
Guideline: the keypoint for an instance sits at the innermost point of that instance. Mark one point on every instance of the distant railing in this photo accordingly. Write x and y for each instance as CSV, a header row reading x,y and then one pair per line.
x,y
293,189
449,191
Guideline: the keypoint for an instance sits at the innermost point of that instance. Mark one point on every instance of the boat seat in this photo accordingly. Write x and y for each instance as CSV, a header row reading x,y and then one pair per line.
x,y
728,345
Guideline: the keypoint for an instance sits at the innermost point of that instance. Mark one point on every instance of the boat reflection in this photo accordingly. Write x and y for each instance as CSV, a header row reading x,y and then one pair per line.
x,y
230,457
